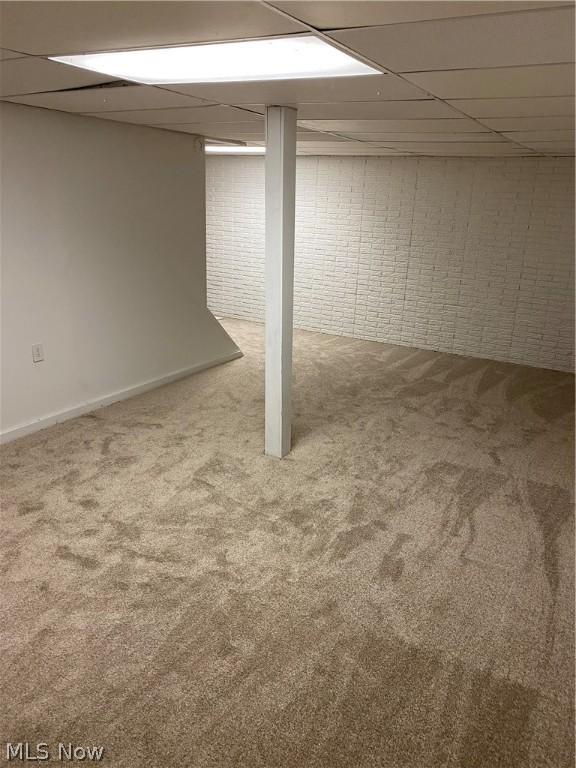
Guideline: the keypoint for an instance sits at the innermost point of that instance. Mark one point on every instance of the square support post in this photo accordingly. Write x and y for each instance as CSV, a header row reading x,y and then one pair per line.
x,y
280,190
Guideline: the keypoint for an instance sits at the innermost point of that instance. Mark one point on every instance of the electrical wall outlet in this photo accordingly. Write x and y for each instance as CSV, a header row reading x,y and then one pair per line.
x,y
37,353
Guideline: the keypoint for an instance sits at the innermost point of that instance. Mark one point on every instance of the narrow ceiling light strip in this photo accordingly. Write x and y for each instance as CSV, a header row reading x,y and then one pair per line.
x,y
282,58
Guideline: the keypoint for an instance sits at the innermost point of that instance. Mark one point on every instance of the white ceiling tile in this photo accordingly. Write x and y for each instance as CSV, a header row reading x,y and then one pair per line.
x,y
374,110
240,131
526,137
260,108
442,137
529,123
553,147
246,138
182,115
544,37
29,75
107,99
457,148
334,15
524,107
6,54
551,80
379,126
357,150
329,143
314,137
78,27
305,137
331,89
252,133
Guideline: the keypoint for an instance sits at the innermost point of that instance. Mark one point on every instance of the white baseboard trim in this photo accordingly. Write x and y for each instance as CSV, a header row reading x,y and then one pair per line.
x,y
123,394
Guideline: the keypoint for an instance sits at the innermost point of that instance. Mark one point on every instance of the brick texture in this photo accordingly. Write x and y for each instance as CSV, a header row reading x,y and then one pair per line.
x,y
471,256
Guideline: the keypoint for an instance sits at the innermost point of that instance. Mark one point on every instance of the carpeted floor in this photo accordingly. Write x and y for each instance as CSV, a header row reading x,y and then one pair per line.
x,y
396,593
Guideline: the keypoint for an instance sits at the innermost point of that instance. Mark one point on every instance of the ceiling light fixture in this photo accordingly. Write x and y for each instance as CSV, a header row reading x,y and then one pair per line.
x,y
216,149
281,58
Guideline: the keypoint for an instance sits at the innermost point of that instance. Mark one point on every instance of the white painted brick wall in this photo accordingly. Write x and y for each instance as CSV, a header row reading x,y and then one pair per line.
x,y
465,255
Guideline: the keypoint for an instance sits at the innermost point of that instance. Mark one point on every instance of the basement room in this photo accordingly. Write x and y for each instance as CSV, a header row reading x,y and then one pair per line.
x,y
287,383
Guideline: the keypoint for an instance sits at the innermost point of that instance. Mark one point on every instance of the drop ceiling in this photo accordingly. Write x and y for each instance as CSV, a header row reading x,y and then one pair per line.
x,y
459,78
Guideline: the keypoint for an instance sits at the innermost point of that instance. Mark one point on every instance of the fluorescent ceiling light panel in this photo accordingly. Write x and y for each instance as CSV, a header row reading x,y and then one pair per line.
x,y
281,58
215,149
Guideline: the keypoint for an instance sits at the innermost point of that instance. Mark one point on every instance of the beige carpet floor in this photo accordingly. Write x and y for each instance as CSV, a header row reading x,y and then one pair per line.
x,y
398,592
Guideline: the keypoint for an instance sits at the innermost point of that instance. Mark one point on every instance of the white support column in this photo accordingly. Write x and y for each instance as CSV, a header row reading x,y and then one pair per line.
x,y
280,216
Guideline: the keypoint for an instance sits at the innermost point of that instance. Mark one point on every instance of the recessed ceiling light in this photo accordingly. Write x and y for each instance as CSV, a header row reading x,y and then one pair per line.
x,y
281,58
214,149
